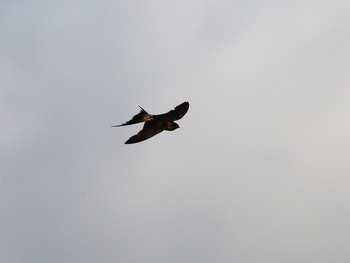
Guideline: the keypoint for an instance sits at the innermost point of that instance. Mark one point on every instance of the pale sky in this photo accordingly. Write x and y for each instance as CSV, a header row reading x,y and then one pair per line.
x,y
258,172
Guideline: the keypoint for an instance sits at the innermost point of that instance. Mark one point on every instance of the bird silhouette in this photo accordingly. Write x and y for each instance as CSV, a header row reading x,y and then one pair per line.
x,y
155,124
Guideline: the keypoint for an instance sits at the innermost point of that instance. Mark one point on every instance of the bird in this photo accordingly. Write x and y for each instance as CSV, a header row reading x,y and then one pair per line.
x,y
155,124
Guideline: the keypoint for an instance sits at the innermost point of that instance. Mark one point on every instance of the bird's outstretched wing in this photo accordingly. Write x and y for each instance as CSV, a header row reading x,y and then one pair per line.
x,y
178,112
148,131
140,117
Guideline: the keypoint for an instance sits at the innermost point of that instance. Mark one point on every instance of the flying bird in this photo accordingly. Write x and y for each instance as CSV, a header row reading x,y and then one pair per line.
x,y
155,124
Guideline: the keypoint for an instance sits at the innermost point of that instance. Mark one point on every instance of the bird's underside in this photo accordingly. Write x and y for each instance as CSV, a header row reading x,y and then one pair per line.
x,y
155,124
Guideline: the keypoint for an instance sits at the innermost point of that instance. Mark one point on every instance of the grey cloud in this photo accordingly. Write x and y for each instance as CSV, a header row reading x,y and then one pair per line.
x,y
257,172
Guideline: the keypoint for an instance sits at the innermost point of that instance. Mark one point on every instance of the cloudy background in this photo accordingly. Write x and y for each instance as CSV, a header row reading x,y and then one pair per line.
x,y
258,172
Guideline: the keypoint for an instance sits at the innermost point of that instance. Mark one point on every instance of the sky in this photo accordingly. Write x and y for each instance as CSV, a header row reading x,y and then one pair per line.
x,y
258,172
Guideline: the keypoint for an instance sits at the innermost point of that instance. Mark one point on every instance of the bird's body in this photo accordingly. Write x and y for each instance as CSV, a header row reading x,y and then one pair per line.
x,y
155,124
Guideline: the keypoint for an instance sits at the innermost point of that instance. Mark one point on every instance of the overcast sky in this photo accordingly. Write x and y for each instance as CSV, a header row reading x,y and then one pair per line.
x,y
258,172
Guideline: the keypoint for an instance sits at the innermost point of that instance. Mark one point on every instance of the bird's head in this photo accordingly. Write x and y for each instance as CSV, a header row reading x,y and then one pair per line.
x,y
173,126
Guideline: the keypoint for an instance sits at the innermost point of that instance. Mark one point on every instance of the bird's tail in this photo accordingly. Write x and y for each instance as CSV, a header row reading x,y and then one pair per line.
x,y
140,117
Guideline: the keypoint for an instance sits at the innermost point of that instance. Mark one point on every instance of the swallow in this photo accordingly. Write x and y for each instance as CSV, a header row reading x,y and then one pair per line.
x,y
155,124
